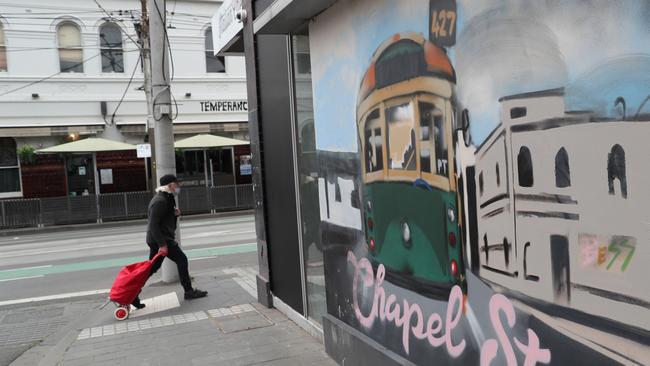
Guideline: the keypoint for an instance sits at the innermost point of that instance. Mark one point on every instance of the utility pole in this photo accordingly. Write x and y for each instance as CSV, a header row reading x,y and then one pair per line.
x,y
145,53
161,107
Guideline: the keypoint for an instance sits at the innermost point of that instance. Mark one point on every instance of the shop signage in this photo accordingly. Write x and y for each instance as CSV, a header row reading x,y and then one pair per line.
x,y
224,106
106,176
224,24
245,166
144,150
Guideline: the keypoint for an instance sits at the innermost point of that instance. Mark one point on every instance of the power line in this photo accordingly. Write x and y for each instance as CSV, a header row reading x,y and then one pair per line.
x,y
111,17
128,85
48,77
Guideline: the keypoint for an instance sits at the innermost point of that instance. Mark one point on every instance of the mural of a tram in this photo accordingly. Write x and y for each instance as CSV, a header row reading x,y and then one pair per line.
x,y
405,120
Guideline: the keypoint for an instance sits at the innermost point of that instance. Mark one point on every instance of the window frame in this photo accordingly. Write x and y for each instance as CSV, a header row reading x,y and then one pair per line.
x,y
209,52
18,193
391,103
622,179
387,175
564,155
77,48
103,48
531,171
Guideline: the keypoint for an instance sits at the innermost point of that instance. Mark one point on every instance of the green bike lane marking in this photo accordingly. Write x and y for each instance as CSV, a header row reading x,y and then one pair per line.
x,y
120,262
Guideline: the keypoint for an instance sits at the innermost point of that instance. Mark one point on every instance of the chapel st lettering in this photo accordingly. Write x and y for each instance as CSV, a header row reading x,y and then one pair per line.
x,y
387,309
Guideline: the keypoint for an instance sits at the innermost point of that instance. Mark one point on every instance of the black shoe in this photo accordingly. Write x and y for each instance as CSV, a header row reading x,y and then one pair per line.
x,y
195,294
137,304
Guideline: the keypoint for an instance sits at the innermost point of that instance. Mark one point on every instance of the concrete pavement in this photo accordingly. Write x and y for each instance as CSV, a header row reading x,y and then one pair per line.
x,y
52,283
226,328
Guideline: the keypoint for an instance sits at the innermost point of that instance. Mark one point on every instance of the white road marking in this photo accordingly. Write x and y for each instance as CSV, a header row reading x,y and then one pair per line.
x,y
20,278
54,297
24,268
196,259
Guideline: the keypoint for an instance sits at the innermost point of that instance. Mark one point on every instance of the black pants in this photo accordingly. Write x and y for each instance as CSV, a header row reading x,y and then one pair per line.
x,y
175,253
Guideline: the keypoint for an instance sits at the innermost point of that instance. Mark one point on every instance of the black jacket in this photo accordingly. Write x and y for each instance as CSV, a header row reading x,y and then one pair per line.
x,y
161,229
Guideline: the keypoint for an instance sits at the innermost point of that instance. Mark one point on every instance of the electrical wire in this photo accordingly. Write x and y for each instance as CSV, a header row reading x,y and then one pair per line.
x,y
128,85
119,20
47,77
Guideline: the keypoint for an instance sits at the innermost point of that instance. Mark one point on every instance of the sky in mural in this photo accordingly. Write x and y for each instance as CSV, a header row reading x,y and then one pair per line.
x,y
503,47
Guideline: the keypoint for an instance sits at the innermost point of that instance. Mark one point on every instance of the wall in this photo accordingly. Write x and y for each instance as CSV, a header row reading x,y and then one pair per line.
x,y
540,256
73,99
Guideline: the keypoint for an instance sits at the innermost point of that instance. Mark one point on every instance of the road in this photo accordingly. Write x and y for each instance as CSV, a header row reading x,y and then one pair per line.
x,y
83,260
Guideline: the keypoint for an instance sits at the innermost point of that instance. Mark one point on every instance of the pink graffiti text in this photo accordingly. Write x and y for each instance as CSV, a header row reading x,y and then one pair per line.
x,y
410,318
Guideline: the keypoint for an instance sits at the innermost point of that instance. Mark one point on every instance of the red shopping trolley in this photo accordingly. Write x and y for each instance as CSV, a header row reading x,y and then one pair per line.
x,y
128,284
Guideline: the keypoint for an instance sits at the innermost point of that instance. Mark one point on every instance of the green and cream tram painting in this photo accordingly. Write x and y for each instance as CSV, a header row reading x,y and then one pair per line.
x,y
405,121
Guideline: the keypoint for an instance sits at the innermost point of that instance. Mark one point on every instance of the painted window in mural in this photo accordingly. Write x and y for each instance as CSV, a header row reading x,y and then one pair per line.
x,y
616,171
401,137
432,137
562,170
373,143
525,167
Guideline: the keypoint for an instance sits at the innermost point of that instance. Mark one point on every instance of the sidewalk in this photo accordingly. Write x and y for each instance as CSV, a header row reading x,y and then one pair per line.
x,y
228,327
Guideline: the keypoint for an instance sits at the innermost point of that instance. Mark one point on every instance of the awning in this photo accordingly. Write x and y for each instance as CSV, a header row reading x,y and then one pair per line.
x,y
285,16
205,141
89,145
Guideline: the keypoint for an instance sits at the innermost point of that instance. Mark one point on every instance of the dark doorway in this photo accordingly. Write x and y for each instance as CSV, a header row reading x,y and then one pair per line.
x,y
560,268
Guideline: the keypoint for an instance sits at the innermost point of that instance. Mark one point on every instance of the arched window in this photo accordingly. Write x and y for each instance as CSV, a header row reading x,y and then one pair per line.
x,y
212,63
110,42
3,50
525,167
562,170
9,170
70,51
616,170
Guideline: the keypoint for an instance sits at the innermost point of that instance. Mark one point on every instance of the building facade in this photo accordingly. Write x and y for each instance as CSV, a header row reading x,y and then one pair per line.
x,y
543,233
479,178
74,70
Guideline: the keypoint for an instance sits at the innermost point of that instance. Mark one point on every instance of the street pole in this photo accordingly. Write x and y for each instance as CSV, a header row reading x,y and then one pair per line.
x,y
146,68
161,107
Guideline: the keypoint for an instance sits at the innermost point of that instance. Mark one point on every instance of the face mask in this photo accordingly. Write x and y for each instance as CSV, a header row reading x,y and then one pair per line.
x,y
177,191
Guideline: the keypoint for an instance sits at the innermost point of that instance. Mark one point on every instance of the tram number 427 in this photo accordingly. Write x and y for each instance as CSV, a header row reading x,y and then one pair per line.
x,y
442,22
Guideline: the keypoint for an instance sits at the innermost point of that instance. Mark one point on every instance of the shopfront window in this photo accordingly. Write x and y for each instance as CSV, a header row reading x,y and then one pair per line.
x,y
308,179
9,169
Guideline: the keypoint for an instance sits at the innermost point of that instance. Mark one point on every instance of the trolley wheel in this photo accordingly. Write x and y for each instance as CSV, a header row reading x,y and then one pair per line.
x,y
121,313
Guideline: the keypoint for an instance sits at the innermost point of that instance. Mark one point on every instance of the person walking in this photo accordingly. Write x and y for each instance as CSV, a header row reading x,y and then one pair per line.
x,y
161,235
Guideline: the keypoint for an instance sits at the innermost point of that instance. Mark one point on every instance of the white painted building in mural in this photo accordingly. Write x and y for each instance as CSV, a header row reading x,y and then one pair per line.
x,y
562,207
65,67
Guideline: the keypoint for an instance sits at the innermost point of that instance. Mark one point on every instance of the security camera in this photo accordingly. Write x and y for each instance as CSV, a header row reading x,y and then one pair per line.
x,y
240,16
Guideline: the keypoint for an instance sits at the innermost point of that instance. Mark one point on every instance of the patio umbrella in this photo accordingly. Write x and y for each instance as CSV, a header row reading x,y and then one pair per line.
x,y
206,141
92,146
